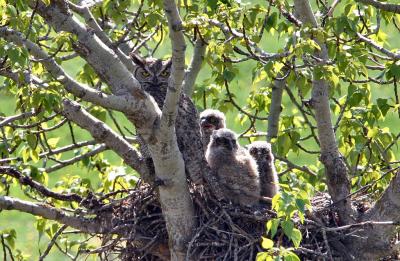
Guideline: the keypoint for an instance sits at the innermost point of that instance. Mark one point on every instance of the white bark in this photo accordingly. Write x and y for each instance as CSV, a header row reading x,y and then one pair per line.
x,y
175,200
103,60
195,66
335,168
48,212
395,8
104,134
121,103
84,11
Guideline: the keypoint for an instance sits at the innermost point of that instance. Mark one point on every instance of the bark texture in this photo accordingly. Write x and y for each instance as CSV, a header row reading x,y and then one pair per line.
x,y
275,108
376,241
335,169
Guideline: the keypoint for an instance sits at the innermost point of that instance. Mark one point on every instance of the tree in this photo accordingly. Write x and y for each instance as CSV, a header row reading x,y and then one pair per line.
x,y
325,67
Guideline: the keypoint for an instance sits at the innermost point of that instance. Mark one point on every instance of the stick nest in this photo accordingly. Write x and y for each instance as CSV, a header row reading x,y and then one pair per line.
x,y
224,231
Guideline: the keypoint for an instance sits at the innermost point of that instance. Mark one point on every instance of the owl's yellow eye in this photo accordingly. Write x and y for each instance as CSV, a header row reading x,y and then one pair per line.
x,y
164,73
145,74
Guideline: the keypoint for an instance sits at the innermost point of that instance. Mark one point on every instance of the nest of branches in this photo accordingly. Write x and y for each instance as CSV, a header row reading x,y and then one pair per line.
x,y
224,231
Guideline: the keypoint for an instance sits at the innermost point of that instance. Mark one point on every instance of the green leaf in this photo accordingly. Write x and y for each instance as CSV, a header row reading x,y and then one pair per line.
x,y
263,256
267,243
296,237
228,75
383,106
213,4
287,226
34,155
32,140
272,226
53,142
290,256
271,21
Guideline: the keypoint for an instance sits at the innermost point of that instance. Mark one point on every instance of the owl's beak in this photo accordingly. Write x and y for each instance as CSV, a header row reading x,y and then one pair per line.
x,y
155,81
205,125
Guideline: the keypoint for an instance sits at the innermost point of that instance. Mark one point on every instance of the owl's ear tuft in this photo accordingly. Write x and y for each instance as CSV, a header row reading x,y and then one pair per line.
x,y
139,61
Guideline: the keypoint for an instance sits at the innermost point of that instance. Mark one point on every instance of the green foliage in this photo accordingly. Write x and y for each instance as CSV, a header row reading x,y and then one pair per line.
x,y
368,111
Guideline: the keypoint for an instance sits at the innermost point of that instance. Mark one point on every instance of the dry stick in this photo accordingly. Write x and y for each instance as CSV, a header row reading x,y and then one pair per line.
x,y
52,242
327,245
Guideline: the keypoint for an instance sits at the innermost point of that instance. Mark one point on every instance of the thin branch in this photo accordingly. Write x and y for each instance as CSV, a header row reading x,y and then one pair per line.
x,y
291,165
120,103
23,115
261,53
394,8
43,210
28,181
52,242
383,50
55,151
91,21
238,107
64,163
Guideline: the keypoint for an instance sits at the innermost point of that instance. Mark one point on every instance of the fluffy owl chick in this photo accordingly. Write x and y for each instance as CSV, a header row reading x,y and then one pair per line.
x,y
210,120
261,152
236,170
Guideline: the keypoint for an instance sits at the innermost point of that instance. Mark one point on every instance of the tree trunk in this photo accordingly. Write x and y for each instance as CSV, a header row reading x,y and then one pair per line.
x,y
335,169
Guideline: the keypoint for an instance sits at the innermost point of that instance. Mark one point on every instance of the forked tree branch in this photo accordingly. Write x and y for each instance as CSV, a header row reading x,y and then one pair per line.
x,y
175,199
120,103
103,60
85,12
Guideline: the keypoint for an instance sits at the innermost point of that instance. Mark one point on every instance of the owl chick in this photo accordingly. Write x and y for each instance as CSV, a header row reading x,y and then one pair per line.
x,y
236,170
210,120
261,152
153,75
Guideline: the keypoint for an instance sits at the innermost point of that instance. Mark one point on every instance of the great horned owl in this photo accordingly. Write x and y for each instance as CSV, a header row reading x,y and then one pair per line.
x,y
153,75
210,120
261,152
235,168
